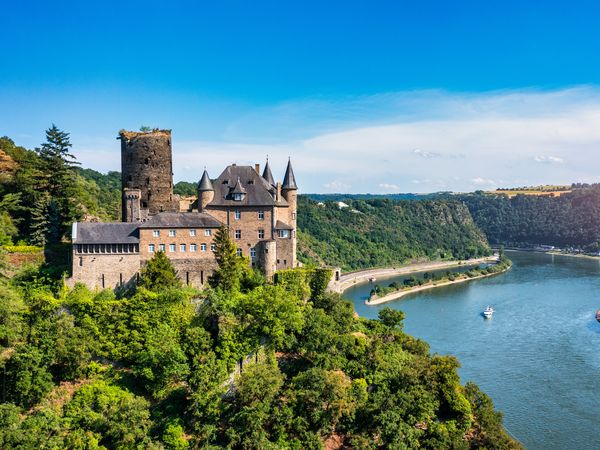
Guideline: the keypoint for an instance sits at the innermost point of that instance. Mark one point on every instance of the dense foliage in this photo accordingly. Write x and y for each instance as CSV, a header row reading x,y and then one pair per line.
x,y
568,220
260,365
42,191
384,232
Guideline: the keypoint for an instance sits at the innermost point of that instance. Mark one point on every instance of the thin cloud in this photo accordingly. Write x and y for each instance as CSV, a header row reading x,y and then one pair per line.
x,y
549,159
442,140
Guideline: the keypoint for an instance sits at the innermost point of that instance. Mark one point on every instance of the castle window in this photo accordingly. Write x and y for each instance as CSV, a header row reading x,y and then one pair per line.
x,y
285,262
172,233
294,215
238,252
150,248
192,232
172,248
193,248
156,233
261,234
161,248
213,248
238,234
261,215
252,253
238,215
202,247
80,261
207,232
182,248
285,234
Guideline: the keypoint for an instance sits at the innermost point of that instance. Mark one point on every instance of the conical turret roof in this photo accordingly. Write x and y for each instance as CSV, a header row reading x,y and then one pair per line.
x,y
205,184
267,175
289,180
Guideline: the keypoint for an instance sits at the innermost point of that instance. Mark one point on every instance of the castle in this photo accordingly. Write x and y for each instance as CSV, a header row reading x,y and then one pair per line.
x,y
259,213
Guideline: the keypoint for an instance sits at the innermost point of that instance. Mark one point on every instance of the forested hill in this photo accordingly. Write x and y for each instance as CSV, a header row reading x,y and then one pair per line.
x,y
573,219
385,232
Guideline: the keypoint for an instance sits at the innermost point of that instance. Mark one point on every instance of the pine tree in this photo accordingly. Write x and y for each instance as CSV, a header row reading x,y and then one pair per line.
x,y
39,225
159,273
231,267
58,169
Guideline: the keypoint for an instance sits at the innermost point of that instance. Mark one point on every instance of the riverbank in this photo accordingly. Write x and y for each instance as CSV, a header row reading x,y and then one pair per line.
x,y
401,293
553,252
346,281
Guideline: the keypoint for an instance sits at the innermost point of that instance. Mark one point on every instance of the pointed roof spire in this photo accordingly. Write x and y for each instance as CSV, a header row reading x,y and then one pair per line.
x,y
267,175
205,184
238,188
289,180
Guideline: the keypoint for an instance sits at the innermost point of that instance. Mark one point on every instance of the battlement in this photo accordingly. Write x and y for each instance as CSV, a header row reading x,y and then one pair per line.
x,y
129,135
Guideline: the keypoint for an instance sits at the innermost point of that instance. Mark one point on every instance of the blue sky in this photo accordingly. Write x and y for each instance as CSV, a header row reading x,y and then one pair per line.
x,y
364,96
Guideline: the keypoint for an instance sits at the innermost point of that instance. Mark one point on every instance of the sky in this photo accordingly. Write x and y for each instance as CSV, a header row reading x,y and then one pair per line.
x,y
363,96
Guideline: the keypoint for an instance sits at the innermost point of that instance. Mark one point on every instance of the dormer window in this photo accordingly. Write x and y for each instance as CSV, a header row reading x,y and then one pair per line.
x,y
238,197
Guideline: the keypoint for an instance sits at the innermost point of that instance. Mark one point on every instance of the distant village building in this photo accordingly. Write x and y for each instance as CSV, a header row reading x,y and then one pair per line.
x,y
261,216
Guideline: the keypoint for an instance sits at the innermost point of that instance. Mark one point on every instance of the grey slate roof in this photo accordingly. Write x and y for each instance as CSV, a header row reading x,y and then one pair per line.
x,y
238,188
267,175
279,225
205,184
258,191
289,180
181,220
106,233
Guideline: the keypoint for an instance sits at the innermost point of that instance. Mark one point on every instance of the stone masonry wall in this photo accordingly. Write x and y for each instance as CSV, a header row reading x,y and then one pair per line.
x,y
105,270
146,164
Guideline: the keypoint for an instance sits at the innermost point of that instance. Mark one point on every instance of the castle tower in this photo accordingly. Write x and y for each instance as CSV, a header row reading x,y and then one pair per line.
x,y
206,192
289,191
146,164
131,206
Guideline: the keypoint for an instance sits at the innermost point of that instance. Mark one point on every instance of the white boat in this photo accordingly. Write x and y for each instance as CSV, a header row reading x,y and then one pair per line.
x,y
488,312
372,280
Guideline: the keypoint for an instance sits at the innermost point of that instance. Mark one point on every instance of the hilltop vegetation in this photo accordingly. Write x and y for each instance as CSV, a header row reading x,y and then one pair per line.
x,y
385,232
570,220
155,368
42,191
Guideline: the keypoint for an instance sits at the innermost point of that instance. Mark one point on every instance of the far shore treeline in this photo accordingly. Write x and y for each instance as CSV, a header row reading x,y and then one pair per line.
x,y
243,364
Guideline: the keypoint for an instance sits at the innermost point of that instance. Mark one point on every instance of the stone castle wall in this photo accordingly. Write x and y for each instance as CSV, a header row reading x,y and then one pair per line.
x,y
105,270
146,164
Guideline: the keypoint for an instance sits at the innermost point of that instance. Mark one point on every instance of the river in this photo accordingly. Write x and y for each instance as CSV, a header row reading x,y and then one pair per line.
x,y
538,357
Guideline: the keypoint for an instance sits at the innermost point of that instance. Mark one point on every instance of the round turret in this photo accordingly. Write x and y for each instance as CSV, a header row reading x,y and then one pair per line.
x,y
146,164
206,192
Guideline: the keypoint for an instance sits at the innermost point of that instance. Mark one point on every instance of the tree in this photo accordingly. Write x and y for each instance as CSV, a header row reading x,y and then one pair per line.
x,y
159,274
252,412
27,378
39,226
391,318
231,267
58,169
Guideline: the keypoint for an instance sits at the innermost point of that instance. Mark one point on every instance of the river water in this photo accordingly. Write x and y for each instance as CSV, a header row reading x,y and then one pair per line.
x,y
538,357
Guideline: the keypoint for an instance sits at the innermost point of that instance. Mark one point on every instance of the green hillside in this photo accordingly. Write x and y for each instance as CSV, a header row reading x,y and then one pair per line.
x,y
385,232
